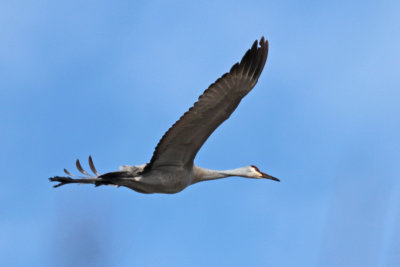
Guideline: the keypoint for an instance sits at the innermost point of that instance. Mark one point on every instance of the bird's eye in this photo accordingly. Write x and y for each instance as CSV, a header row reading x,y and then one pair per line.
x,y
255,167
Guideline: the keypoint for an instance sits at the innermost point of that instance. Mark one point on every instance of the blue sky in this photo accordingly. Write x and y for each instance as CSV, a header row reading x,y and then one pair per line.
x,y
108,78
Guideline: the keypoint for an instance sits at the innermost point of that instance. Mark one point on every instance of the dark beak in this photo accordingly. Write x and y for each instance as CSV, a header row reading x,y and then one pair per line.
x,y
264,175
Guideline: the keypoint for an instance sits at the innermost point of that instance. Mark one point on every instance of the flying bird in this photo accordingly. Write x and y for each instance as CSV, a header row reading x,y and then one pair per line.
x,y
171,169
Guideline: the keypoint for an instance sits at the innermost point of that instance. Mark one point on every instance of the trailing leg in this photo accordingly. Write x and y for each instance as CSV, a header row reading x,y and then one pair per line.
x,y
68,180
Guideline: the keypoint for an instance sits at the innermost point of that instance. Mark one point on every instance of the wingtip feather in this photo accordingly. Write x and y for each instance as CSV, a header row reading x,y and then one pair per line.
x,y
92,166
68,173
79,167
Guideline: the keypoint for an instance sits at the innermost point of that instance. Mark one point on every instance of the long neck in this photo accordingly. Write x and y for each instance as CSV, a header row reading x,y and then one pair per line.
x,y
201,174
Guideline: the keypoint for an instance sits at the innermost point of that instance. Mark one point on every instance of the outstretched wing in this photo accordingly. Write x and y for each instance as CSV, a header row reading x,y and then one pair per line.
x,y
180,144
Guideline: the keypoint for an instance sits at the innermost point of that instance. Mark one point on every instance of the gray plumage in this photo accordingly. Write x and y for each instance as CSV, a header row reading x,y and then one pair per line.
x,y
171,169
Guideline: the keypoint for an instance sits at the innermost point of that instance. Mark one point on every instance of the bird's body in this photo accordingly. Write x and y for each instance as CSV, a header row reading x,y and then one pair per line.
x,y
171,168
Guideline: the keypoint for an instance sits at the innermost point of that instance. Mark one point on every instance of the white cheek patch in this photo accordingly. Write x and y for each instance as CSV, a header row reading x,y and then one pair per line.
x,y
257,173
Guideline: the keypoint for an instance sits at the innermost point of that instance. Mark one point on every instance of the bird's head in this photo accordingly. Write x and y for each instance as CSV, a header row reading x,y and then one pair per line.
x,y
256,173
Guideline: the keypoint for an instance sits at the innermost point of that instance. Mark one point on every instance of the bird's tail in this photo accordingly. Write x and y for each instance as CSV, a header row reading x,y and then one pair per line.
x,y
96,179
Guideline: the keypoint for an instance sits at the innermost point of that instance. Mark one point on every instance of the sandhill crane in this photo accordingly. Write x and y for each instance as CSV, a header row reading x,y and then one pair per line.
x,y
171,168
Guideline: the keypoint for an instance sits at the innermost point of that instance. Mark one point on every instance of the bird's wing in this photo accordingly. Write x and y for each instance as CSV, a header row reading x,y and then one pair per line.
x,y
180,144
